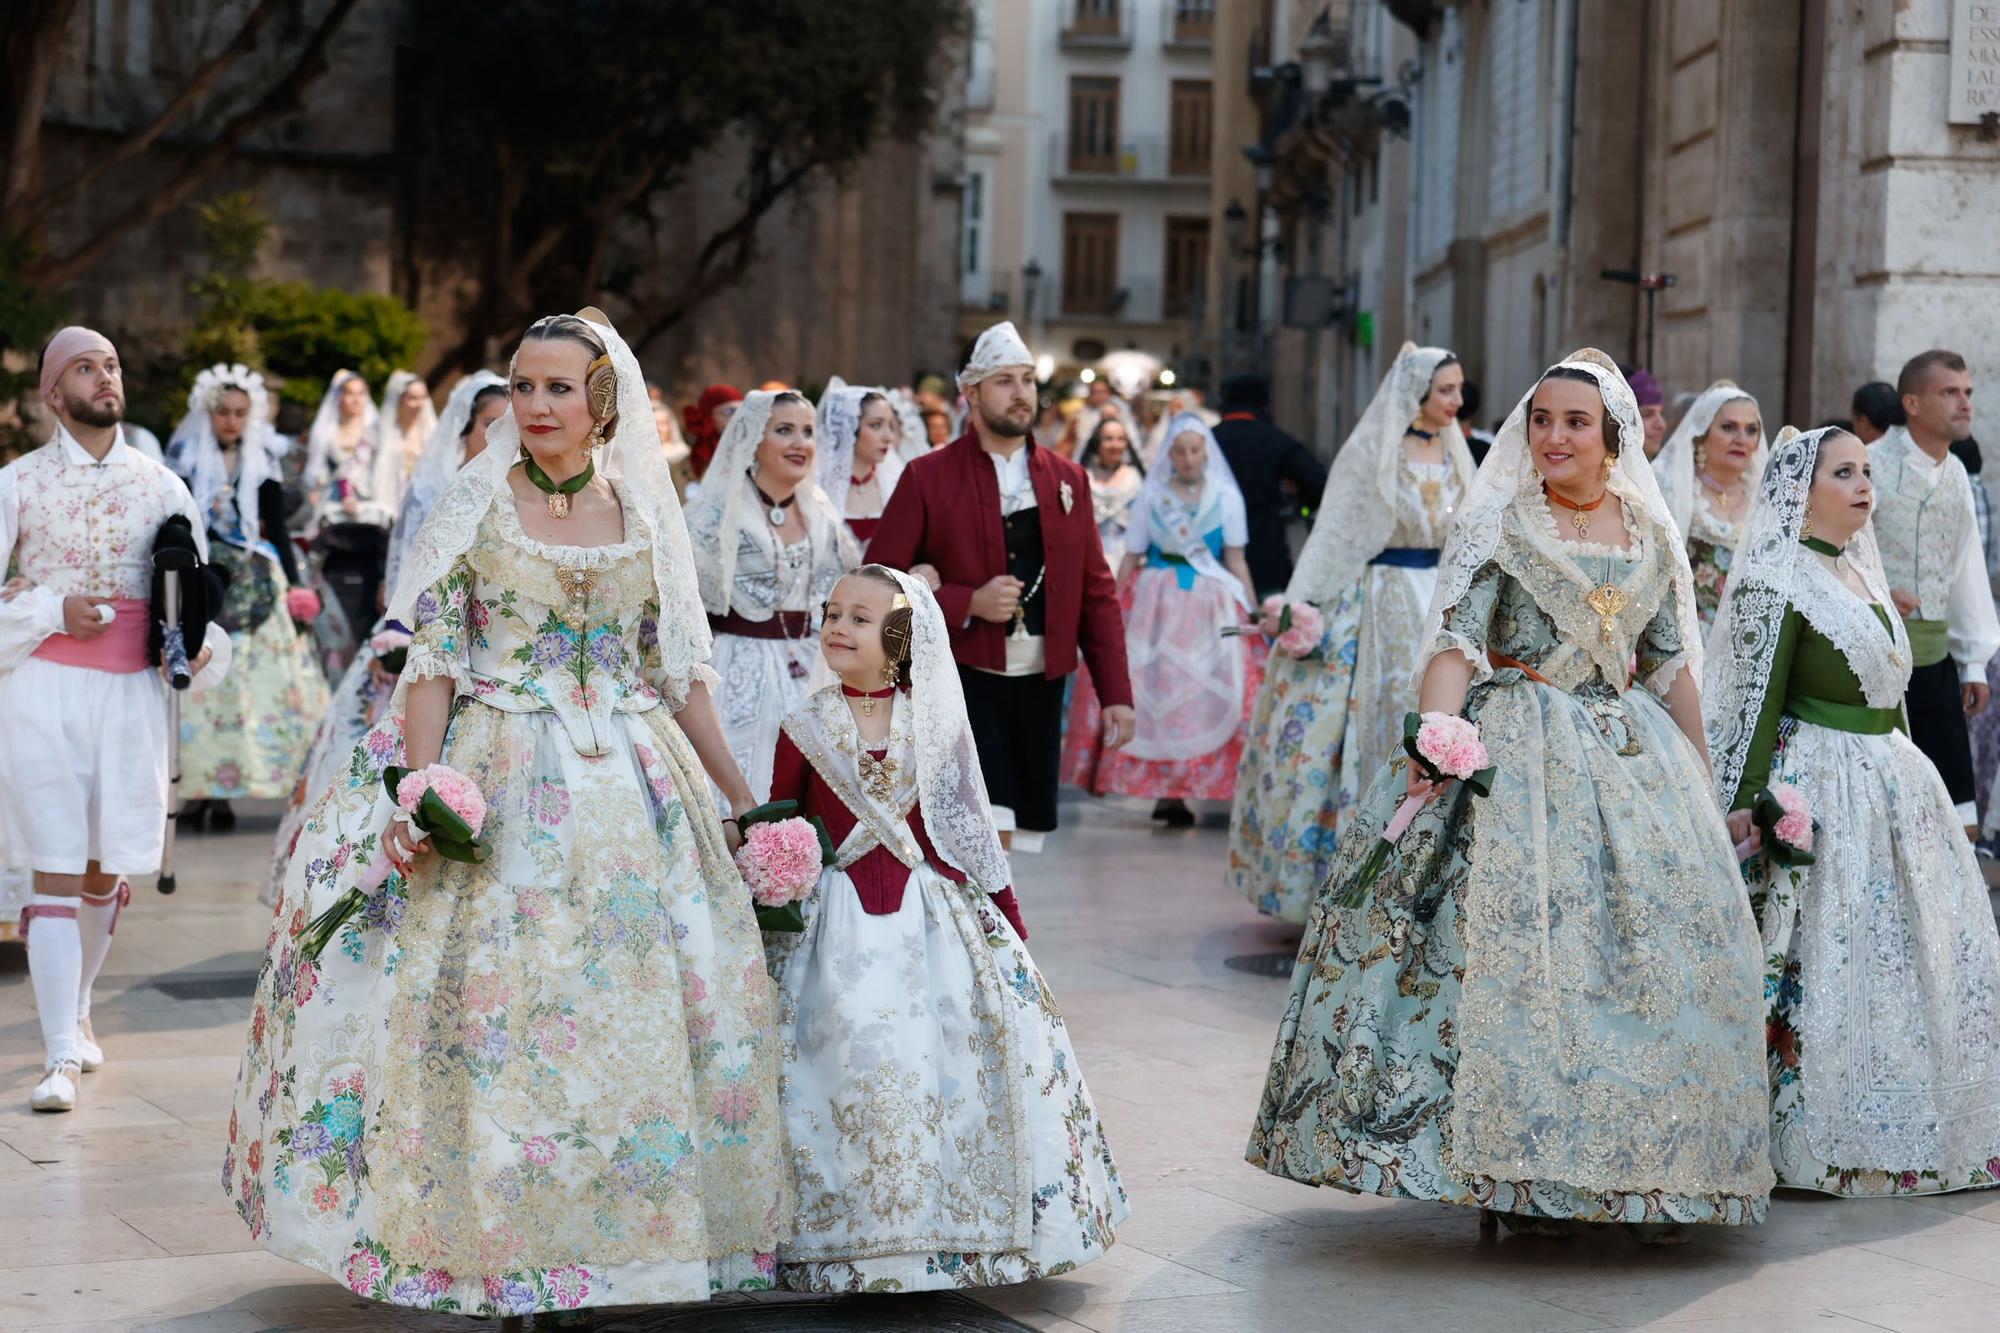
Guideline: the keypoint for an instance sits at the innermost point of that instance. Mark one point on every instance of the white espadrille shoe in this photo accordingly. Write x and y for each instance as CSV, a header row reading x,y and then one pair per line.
x,y
57,1092
90,1056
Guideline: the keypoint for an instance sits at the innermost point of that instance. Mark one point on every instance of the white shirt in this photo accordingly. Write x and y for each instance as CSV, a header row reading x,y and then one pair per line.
x,y
1972,626
1026,655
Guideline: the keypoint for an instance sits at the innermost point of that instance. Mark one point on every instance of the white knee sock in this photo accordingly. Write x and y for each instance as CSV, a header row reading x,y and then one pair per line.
x,y
94,920
55,967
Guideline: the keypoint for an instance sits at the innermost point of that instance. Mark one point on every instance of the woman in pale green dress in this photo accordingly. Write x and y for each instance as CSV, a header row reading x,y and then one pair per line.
x,y
1549,1004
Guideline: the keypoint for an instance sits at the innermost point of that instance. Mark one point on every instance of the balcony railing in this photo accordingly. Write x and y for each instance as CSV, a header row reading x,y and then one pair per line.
x,y
1097,25
1079,160
1132,301
1188,25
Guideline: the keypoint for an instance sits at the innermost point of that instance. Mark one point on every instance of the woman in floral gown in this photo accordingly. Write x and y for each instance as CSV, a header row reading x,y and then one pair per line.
x,y
1708,471
1547,1006
940,1126
1881,961
245,738
548,1080
768,548
1324,723
363,690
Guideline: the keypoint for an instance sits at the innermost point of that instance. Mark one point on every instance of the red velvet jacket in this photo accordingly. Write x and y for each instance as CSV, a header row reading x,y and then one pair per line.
x,y
946,512
879,878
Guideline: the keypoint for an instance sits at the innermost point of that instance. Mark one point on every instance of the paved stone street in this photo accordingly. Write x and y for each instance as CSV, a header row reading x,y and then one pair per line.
x,y
112,1218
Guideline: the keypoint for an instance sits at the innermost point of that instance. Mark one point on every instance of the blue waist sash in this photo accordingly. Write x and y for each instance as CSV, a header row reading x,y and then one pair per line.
x,y
1408,557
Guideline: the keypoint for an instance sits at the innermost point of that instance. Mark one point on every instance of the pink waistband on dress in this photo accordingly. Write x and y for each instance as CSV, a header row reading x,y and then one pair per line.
x,y
121,648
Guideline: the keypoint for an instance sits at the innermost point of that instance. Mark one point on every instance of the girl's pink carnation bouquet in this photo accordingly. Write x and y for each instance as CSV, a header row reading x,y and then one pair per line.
x,y
445,809
302,605
1446,748
780,860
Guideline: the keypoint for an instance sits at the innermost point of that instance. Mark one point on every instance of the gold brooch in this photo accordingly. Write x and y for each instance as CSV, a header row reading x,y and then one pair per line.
x,y
1607,600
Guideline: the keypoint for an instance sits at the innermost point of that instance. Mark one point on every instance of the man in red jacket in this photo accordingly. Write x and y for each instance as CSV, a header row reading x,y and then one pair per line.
x,y
1008,530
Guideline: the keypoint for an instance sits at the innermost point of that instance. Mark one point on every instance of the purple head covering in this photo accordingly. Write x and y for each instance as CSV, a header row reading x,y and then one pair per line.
x,y
1646,389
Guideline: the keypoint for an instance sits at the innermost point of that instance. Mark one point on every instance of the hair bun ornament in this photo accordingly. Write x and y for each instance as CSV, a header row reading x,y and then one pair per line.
x,y
594,315
1408,347
1590,356
1784,433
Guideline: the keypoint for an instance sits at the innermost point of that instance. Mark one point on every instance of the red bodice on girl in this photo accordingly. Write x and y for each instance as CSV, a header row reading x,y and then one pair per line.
x,y
879,878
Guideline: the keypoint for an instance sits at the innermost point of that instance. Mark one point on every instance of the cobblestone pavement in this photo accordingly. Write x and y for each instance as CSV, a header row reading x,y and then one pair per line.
x,y
112,1218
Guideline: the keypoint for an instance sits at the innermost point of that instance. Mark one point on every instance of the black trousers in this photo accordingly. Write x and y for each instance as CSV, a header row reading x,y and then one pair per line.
x,y
1017,725
1937,725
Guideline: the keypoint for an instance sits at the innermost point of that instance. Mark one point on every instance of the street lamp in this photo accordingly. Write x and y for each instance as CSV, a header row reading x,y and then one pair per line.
x,y
1316,54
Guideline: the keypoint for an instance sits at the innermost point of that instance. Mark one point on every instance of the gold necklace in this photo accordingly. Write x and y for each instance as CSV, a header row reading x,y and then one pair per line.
x,y
1579,513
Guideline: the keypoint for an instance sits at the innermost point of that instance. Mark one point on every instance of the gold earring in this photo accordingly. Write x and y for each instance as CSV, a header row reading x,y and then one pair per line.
x,y
892,673
597,435
1609,463
1700,456
1806,528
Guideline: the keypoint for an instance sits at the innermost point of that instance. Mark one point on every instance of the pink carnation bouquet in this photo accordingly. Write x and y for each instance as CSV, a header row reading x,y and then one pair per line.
x,y
1784,817
444,807
302,605
1296,626
1445,747
391,646
780,860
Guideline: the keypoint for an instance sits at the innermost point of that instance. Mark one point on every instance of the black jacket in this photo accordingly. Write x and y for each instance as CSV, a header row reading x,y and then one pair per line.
x,y
1263,458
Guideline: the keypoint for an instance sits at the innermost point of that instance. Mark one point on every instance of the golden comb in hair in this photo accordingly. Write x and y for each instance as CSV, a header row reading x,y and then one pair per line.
x,y
594,315
1784,433
900,602
1592,357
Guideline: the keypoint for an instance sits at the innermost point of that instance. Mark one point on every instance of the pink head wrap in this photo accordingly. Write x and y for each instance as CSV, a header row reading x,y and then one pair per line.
x,y
69,344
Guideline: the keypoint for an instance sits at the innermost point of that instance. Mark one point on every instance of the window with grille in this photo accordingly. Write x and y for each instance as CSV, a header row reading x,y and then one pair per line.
x,y
1095,16
1090,263
1191,131
1093,124
1186,266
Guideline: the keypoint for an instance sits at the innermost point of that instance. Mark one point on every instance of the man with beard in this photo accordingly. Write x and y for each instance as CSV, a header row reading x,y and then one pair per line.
x,y
1928,532
83,752
1003,529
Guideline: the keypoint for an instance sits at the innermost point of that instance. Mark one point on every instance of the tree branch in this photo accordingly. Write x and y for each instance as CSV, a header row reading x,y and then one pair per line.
x,y
197,87
56,273
739,238
33,36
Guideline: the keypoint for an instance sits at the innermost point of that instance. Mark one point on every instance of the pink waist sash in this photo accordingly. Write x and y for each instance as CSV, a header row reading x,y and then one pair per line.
x,y
121,648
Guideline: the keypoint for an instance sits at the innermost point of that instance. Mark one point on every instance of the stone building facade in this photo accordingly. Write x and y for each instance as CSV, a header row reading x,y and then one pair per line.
x,y
1789,162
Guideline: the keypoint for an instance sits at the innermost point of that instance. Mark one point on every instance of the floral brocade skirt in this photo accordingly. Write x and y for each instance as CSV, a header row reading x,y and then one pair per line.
x,y
543,1082
940,1128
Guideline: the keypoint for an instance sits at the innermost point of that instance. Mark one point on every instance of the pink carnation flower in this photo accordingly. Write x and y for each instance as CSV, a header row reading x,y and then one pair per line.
x,y
302,604
780,861
388,641
1452,745
1307,628
1795,827
459,793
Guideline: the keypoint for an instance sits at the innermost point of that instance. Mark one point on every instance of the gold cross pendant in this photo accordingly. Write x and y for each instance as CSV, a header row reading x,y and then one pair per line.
x,y
1607,600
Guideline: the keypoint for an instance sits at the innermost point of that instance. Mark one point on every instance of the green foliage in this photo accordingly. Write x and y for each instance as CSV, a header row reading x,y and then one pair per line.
x,y
295,331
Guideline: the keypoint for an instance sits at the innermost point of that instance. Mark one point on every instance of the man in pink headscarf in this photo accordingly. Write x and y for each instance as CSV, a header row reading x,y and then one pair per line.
x,y
83,754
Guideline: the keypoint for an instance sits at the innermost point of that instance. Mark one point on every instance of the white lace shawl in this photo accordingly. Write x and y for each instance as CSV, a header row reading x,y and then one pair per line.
x,y
1772,571
839,423
1674,467
195,453
323,456
1357,510
444,454
1508,478
633,455
727,503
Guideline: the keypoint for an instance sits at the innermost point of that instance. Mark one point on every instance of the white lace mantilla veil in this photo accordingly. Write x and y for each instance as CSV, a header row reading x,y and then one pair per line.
x,y
633,457
950,787
916,440
839,422
1357,510
386,480
727,501
324,437
1508,476
444,453
1674,467
195,453
1155,502
1771,571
